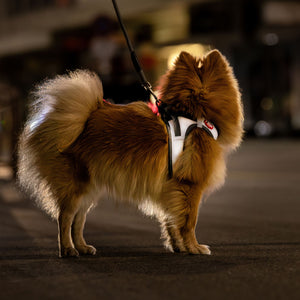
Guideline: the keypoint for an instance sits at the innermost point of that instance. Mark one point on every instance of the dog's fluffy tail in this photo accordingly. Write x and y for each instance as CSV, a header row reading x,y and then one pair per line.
x,y
58,115
65,103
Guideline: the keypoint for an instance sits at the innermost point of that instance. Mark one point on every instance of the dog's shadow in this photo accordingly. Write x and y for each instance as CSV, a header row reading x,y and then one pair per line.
x,y
153,260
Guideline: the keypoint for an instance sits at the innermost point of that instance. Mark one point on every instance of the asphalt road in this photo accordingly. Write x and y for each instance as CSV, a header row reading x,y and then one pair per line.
x,y
251,224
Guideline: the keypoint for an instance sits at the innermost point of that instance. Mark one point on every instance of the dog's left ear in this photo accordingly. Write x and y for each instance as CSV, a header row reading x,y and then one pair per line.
x,y
186,61
183,77
182,85
186,68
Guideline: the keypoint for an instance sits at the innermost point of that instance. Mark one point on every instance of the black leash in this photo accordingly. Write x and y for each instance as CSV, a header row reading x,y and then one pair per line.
x,y
162,107
144,82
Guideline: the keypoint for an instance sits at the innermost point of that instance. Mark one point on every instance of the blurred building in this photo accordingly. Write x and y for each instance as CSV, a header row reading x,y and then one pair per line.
x,y
41,38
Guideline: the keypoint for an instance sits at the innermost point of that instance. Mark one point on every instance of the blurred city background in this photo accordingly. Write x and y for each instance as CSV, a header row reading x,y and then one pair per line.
x,y
252,224
42,38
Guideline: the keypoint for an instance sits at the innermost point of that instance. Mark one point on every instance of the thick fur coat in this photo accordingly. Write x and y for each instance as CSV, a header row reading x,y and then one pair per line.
x,y
75,145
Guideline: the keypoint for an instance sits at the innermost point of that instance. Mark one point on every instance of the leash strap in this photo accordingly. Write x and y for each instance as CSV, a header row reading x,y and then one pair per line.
x,y
162,107
144,82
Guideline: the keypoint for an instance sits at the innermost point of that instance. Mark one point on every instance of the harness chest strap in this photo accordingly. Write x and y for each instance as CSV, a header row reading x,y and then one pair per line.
x,y
180,128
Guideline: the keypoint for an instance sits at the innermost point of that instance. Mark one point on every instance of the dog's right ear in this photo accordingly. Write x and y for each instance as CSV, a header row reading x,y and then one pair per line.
x,y
223,99
216,72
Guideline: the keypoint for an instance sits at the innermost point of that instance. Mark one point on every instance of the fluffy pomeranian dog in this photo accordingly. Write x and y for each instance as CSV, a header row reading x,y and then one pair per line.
x,y
75,145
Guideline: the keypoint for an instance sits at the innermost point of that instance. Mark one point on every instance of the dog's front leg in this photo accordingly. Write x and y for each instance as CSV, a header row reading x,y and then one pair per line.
x,y
193,199
172,237
188,230
182,204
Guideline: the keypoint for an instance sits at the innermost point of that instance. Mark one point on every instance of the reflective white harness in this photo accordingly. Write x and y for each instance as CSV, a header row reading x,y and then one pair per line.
x,y
180,128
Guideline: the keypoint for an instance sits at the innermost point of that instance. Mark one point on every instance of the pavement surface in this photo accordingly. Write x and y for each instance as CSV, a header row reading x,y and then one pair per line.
x,y
252,225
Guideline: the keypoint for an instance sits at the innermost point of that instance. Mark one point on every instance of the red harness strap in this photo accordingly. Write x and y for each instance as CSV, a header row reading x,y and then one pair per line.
x,y
154,108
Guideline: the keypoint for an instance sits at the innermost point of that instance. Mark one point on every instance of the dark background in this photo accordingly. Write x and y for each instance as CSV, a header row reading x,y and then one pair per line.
x,y
252,224
40,39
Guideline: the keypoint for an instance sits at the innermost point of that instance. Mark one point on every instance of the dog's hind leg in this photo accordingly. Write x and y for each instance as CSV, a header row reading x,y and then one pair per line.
x,y
77,231
65,219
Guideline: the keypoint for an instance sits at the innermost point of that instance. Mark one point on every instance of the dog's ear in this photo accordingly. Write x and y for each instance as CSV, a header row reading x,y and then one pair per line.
x,y
182,84
223,99
216,72
186,62
186,69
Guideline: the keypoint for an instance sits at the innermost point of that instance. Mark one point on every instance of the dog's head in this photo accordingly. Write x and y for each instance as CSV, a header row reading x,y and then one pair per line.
x,y
206,88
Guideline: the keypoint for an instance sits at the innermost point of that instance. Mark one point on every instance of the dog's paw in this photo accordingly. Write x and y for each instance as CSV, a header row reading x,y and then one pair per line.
x,y
175,246
69,252
178,247
87,250
198,249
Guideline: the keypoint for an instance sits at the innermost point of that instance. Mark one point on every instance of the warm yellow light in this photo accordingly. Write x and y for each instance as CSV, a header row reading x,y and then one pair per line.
x,y
170,53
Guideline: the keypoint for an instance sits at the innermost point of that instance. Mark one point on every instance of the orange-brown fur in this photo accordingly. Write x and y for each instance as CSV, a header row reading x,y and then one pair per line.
x,y
69,153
